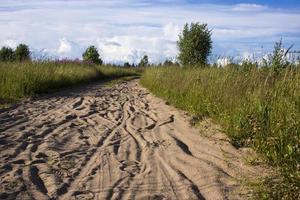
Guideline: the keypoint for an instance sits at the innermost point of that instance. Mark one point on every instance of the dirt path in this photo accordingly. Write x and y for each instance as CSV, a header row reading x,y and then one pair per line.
x,y
115,142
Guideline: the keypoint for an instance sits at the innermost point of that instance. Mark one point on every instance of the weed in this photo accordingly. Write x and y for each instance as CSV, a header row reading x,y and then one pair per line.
x,y
255,108
19,80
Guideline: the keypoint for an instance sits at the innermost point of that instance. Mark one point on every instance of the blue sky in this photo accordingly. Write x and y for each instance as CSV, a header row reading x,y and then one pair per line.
x,y
125,30
272,3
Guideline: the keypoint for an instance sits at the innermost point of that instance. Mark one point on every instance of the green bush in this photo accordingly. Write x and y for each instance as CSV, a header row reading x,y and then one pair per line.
x,y
144,61
7,54
91,55
127,64
168,63
255,109
194,44
22,53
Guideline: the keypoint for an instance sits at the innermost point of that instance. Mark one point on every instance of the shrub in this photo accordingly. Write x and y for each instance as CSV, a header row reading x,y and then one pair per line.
x,y
127,64
194,44
91,55
168,63
253,110
7,54
144,61
22,53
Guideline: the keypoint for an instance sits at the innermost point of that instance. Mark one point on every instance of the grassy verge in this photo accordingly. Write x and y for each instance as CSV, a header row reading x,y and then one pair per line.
x,y
120,80
256,108
18,80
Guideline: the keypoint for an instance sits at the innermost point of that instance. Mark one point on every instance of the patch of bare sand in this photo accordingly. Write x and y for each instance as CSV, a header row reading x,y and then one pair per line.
x,y
115,142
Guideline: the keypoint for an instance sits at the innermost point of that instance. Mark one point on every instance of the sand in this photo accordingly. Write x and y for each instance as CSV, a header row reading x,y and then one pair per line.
x,y
118,142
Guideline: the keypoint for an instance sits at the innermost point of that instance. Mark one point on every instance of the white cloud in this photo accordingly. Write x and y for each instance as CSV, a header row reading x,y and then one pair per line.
x,y
64,46
171,31
221,62
68,49
132,48
127,29
249,7
9,43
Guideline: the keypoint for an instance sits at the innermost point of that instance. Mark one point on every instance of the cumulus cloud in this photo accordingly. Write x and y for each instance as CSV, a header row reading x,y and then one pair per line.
x,y
171,31
64,46
68,49
125,30
9,43
221,62
132,48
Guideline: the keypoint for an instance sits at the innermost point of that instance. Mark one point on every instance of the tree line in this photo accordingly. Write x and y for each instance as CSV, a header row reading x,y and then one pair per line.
x,y
194,47
21,53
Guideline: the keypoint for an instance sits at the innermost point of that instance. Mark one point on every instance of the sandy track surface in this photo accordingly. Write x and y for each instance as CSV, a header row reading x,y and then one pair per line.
x,y
115,142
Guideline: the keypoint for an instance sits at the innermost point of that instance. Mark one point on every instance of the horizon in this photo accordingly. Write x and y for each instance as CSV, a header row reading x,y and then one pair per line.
x,y
124,31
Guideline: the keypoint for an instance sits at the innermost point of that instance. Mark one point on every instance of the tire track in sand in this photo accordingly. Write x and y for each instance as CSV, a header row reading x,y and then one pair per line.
x,y
117,142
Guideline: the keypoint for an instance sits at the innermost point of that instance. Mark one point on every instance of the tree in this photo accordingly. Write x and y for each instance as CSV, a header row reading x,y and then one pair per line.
x,y
22,53
7,54
168,63
91,55
194,44
144,61
278,59
127,64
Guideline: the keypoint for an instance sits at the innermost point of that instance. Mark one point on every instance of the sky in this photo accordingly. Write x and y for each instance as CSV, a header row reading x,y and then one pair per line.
x,y
125,30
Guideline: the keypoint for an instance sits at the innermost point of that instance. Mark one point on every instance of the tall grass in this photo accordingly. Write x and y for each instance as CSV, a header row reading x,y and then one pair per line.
x,y
109,71
18,80
256,107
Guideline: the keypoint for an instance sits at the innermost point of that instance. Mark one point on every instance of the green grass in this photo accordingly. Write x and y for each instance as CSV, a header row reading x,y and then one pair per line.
x,y
120,80
256,108
19,80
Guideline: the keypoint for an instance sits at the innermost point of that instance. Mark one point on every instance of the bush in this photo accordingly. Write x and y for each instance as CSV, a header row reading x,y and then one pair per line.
x,y
144,61
194,44
278,60
91,55
7,54
168,63
127,64
253,109
22,53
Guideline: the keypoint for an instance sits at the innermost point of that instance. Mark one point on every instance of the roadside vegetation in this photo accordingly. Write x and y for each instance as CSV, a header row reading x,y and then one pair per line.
x,y
21,53
26,79
20,77
257,105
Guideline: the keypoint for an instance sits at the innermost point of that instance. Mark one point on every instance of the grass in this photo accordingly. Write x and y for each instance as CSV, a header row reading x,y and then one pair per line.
x,y
120,80
19,80
256,108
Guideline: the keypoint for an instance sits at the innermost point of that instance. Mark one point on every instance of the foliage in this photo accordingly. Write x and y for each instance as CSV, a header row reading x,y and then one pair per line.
x,y
278,60
91,55
255,109
7,54
117,72
26,79
22,53
144,61
168,63
194,44
127,64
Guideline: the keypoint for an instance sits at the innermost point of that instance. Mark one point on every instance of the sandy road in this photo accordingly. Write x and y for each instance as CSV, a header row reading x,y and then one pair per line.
x,y
115,142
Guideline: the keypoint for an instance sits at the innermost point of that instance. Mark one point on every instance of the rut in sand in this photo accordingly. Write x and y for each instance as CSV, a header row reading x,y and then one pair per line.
x,y
115,142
